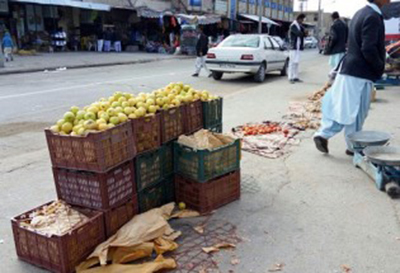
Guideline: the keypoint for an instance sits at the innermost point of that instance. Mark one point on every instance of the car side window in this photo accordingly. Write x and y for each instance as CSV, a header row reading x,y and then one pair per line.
x,y
268,44
275,44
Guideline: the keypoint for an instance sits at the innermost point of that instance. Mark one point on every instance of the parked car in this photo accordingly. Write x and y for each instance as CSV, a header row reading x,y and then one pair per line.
x,y
250,53
310,42
281,42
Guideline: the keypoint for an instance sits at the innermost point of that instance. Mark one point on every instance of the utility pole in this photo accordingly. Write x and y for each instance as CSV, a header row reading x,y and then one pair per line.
x,y
260,9
319,19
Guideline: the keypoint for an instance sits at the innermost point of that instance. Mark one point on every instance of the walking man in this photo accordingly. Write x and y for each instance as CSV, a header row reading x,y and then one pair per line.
x,y
296,35
338,36
8,45
201,50
346,104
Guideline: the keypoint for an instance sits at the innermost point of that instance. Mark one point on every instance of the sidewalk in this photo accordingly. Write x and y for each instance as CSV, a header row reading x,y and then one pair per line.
x,y
69,60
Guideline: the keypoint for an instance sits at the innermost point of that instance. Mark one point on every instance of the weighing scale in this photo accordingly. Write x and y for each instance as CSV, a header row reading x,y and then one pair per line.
x,y
379,161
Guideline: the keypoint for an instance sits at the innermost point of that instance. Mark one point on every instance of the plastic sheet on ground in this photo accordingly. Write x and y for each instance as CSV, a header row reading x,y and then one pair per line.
x,y
139,238
273,145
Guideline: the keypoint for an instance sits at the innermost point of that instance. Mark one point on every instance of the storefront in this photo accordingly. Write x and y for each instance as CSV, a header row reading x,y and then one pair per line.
x,y
32,22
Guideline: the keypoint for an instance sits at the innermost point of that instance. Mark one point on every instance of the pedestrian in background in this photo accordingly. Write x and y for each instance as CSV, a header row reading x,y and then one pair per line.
x,y
296,35
201,50
337,41
346,104
107,40
100,39
8,46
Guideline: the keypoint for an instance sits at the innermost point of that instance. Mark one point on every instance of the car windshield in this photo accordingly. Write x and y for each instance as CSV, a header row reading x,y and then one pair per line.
x,y
242,41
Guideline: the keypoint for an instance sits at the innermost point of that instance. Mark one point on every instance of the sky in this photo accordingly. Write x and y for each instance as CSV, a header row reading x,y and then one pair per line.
x,y
344,7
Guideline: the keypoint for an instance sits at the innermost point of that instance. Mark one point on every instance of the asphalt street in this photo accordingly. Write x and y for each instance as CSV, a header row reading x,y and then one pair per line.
x,y
312,213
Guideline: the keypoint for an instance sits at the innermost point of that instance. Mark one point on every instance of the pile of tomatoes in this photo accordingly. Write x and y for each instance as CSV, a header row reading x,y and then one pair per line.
x,y
263,129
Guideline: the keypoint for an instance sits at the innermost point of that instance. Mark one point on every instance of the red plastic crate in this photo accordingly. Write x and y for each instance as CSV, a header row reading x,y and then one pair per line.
x,y
206,197
193,117
146,133
96,152
171,124
60,254
98,191
115,218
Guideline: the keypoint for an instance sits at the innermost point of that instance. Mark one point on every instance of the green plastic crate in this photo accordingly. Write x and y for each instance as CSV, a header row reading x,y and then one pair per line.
x,y
204,165
216,128
152,197
149,168
168,159
169,189
212,113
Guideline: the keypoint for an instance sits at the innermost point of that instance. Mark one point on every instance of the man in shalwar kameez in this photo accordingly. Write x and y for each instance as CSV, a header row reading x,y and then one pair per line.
x,y
346,104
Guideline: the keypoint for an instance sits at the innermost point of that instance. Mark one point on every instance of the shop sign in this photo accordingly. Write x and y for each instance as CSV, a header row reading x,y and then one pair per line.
x,y
195,3
221,6
4,6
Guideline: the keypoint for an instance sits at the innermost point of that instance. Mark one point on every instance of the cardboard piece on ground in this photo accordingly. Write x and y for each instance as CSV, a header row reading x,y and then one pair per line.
x,y
150,267
141,229
186,213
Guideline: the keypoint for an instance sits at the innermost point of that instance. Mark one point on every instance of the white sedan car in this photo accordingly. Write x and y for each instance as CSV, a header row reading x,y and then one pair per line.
x,y
251,54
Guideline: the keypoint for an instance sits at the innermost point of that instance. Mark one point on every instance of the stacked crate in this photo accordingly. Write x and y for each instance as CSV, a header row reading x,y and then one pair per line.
x,y
207,179
112,175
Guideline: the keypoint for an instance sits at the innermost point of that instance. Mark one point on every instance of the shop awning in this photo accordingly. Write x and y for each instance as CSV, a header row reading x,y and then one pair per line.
x,y
255,18
68,3
200,19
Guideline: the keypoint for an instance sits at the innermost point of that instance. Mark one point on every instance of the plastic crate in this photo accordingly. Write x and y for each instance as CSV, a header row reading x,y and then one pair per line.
x,y
149,168
206,197
96,152
152,197
216,128
204,165
60,254
146,133
168,160
98,191
171,124
169,195
193,117
115,218
212,113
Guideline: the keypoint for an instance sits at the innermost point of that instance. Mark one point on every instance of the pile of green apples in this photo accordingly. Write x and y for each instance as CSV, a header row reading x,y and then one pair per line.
x,y
118,108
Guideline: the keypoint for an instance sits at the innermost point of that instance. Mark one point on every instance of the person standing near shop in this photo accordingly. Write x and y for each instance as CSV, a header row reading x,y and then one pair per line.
x,y
100,39
338,36
296,35
201,51
346,104
7,45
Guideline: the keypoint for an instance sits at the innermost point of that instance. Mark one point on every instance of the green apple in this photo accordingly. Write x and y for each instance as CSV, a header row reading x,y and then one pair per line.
x,y
114,120
74,109
67,127
69,116
90,116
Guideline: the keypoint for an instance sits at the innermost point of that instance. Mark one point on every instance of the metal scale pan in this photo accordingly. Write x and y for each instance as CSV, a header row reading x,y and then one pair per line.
x,y
364,139
384,156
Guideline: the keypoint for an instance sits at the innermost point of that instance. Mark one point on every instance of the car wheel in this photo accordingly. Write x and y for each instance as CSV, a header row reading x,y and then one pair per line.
x,y
217,75
260,75
284,71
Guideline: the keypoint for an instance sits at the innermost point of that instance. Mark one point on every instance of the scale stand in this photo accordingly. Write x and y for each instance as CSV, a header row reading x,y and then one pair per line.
x,y
387,178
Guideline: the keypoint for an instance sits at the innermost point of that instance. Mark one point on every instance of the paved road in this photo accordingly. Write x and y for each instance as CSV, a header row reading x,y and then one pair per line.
x,y
313,213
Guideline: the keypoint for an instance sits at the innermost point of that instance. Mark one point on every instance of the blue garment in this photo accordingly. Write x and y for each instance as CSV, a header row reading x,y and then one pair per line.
x,y
334,59
7,41
332,123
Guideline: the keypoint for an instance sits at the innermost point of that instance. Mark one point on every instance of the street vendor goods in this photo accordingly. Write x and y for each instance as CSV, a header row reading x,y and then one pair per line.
x,y
204,139
57,218
118,108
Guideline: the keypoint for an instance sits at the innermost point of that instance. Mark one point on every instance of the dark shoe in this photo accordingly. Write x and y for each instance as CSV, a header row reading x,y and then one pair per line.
x,y
298,80
349,153
210,75
195,75
321,144
292,81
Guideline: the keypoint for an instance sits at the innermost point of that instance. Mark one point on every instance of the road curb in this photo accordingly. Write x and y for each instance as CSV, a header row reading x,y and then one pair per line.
x,y
80,66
